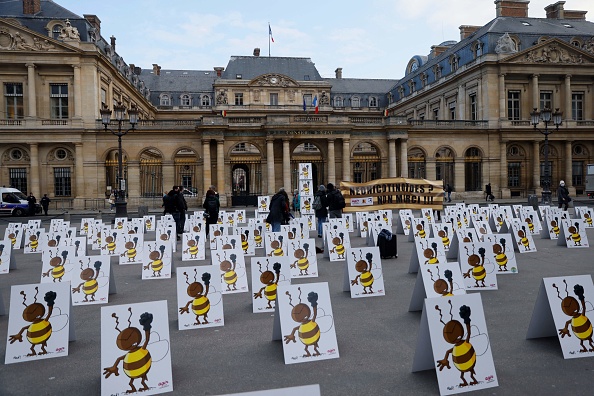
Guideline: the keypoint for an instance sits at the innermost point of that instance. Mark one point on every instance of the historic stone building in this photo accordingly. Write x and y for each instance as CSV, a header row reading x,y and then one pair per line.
x,y
460,114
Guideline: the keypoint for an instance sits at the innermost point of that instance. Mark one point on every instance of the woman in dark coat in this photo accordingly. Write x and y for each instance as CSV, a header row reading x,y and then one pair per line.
x,y
563,195
211,207
321,214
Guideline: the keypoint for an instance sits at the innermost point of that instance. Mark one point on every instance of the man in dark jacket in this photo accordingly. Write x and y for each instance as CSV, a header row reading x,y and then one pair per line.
x,y
182,207
321,214
279,211
333,197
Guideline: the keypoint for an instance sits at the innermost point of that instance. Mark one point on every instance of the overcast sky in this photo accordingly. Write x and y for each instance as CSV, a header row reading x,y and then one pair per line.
x,y
370,39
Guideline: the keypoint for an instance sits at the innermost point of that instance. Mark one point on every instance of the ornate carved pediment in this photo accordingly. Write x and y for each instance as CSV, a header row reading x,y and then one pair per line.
x,y
13,39
273,80
552,52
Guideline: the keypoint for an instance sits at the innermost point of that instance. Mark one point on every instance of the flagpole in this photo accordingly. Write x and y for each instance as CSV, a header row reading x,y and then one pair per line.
x,y
269,39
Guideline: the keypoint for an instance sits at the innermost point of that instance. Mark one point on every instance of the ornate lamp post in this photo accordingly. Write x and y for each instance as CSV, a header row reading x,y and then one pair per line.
x,y
547,117
119,114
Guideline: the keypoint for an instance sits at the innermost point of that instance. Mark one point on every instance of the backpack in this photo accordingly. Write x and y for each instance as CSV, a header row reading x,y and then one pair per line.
x,y
211,206
340,202
317,203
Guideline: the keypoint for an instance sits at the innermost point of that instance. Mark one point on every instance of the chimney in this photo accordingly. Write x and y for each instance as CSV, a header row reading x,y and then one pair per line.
x,y
31,7
467,30
556,11
437,50
113,40
338,72
512,8
95,22
219,71
256,51
156,69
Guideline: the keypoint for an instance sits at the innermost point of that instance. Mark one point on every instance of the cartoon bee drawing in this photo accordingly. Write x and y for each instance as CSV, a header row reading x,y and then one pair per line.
x,y
528,220
443,234
463,352
263,205
421,230
137,360
13,237
40,330
478,266
119,225
523,239
230,244
200,301
338,243
156,257
580,324
130,249
292,234
33,241
575,234
270,282
90,285
148,223
245,245
305,171
57,271
427,215
364,268
385,216
277,246
406,224
301,255
192,249
229,275
305,188
54,241
430,253
307,204
110,243
258,236
468,237
166,236
500,256
197,228
588,219
441,286
555,227
309,331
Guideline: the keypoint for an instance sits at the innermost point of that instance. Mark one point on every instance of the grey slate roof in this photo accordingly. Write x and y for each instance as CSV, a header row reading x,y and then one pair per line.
x,y
180,81
360,86
253,66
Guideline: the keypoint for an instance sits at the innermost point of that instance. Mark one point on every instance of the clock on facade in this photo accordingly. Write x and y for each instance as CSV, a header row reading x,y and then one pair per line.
x,y
414,66
273,80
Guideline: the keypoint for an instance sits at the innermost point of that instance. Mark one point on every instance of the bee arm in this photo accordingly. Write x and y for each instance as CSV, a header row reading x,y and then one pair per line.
x,y
147,266
355,281
19,336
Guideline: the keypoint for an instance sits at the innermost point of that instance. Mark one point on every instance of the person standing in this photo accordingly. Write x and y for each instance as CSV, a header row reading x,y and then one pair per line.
x,y
211,207
296,201
488,192
45,201
322,213
335,202
32,201
563,195
111,201
182,207
279,211
449,192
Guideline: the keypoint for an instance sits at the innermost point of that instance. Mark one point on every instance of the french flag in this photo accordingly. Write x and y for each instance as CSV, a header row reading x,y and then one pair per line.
x,y
270,33
315,104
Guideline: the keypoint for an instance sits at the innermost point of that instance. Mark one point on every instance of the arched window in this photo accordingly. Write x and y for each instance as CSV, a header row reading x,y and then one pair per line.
x,y
206,100
416,163
367,163
444,165
165,100
186,100
372,101
355,102
454,62
56,31
473,169
338,102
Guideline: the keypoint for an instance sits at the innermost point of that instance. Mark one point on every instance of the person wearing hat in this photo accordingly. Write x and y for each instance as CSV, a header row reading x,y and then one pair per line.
x,y
322,213
296,201
563,195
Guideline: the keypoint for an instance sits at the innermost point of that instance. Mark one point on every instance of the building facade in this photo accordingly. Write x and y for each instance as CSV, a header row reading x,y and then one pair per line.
x,y
246,127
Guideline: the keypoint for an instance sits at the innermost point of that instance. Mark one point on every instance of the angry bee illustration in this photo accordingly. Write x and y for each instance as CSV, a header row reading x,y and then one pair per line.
x,y
430,253
130,249
477,263
57,265
200,302
309,331
276,246
338,243
575,234
270,282
156,263
89,277
364,268
580,324
441,286
229,275
302,261
500,256
192,249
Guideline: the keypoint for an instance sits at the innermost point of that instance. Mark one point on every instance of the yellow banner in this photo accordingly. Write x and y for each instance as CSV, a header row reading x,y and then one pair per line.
x,y
393,193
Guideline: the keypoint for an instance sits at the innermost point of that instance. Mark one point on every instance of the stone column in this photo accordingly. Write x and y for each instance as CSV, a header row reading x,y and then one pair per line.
x,y
331,162
77,92
568,164
391,157
442,108
34,186
80,176
536,164
220,167
502,97
461,106
31,90
207,171
503,169
535,93
567,110
404,157
479,99
270,164
133,186
287,165
346,160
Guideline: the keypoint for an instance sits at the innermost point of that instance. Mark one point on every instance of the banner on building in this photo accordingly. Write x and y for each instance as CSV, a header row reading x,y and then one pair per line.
x,y
393,193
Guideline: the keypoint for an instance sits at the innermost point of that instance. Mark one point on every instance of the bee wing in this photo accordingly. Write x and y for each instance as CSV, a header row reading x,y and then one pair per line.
x,y
325,322
103,281
158,348
58,321
589,306
376,271
240,271
215,297
480,341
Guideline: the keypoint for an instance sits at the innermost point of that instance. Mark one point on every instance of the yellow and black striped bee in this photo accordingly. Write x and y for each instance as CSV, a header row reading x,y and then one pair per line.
x,y
523,239
292,234
137,360
338,243
430,253
500,256
364,268
245,241
156,257
276,246
309,331
229,275
40,329
192,249
258,236
130,249
57,265
555,227
200,302
263,205
302,262
34,241
306,189
528,221
421,230
463,353
588,219
148,223
90,284
110,243
441,286
13,237
575,234
305,171
445,240
270,282
230,220
580,324
307,204
478,267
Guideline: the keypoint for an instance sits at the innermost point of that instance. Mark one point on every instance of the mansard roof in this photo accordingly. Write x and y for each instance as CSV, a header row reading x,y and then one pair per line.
x,y
179,81
360,86
250,67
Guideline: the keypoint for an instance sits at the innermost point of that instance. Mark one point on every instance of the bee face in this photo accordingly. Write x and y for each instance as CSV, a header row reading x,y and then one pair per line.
x,y
86,274
428,253
33,311
361,266
521,234
109,239
52,243
11,236
453,332
195,289
128,338
300,312
336,241
440,286
191,242
497,249
474,260
225,266
267,277
32,238
570,306
154,255
55,261
129,245
441,233
419,227
299,253
164,237
572,229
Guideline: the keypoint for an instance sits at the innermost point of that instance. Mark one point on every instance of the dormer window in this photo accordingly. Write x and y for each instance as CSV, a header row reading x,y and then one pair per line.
x,y
477,49
454,59
373,101
437,71
205,100
423,78
165,100
186,100
338,102
412,86
355,102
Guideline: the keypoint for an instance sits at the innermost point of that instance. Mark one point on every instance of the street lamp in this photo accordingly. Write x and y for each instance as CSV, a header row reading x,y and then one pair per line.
x,y
547,117
119,113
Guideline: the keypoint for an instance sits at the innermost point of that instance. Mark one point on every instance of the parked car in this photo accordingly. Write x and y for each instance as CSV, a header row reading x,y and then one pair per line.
x,y
190,191
14,202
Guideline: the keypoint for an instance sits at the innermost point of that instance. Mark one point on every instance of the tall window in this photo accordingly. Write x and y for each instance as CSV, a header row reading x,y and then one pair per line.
x,y
513,105
62,182
239,99
18,179
165,101
338,101
577,173
273,99
59,100
307,98
13,97
206,100
473,169
546,99
355,102
513,174
452,106
577,106
186,100
473,107
56,31
373,101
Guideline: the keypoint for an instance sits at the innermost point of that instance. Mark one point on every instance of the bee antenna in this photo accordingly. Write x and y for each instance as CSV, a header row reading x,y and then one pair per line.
x,y
354,256
290,298
450,302
260,267
467,252
129,322
564,281
558,294
24,297
187,281
36,292
440,315
113,315
299,293
431,273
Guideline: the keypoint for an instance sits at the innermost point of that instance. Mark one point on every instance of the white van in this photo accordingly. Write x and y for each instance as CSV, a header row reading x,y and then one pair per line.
x,y
13,202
